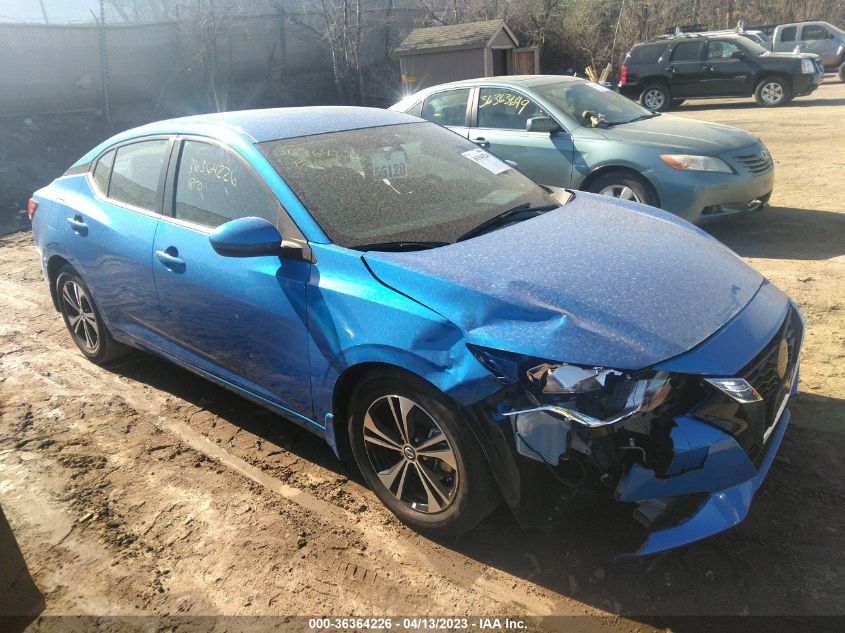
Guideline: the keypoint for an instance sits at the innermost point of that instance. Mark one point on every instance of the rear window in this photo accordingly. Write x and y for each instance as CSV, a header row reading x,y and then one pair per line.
x,y
814,32
687,51
102,172
648,54
137,172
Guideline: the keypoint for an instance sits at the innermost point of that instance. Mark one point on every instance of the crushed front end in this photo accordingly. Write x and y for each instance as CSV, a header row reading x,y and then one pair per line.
x,y
685,451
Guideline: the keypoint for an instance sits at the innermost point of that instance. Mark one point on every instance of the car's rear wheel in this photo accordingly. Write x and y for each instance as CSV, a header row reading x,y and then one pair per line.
x,y
656,97
83,319
772,92
624,185
418,456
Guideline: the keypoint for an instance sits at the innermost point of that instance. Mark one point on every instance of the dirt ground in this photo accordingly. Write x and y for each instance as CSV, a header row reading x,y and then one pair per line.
x,y
143,490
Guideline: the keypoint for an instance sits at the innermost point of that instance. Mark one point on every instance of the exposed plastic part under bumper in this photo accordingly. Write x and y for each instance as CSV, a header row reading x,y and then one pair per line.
x,y
722,509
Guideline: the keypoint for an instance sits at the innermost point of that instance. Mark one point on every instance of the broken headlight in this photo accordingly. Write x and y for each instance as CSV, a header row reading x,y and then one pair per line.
x,y
596,396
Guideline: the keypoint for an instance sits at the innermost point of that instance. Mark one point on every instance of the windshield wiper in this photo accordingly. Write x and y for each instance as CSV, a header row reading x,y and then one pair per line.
x,y
639,118
506,217
401,245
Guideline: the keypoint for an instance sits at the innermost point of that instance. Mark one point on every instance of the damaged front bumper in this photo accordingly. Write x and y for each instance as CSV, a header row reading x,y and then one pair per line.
x,y
689,467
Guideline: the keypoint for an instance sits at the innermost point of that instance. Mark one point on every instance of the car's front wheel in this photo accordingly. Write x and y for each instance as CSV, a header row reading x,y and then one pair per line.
x,y
418,455
656,97
772,92
83,319
624,185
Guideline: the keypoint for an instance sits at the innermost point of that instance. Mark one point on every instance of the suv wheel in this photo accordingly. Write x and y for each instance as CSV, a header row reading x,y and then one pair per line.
x,y
83,320
418,456
624,185
772,92
656,97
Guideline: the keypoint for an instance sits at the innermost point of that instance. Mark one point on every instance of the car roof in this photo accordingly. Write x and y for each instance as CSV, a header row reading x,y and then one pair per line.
x,y
277,123
515,80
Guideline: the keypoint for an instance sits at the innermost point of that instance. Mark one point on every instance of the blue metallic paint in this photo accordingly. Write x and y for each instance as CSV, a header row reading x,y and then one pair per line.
x,y
261,326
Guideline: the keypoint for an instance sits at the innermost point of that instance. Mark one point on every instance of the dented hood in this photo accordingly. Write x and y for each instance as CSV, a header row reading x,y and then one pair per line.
x,y
596,282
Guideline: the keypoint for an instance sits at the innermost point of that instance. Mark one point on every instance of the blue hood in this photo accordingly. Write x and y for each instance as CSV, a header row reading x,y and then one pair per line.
x,y
597,282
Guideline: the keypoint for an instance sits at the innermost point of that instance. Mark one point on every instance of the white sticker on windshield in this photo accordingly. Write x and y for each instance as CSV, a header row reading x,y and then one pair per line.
x,y
488,161
392,164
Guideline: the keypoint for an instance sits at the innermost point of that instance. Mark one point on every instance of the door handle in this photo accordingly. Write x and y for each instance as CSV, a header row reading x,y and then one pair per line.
x,y
170,258
710,68
481,142
77,225
671,69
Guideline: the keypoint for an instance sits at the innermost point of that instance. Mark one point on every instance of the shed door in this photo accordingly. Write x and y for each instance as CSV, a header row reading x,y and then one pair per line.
x,y
524,62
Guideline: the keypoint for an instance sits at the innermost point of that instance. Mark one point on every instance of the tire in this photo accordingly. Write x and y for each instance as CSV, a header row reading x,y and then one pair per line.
x,y
625,185
656,97
83,320
772,92
445,495
841,72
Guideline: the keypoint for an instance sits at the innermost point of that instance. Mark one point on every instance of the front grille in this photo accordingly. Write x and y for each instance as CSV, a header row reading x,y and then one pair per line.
x,y
762,373
756,163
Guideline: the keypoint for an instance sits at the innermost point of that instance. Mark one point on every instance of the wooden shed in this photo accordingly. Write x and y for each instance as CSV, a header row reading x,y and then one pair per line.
x,y
439,54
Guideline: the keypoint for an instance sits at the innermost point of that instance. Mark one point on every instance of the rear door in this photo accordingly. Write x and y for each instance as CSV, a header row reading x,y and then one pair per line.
x,y
111,238
449,108
818,39
685,68
726,75
240,319
500,119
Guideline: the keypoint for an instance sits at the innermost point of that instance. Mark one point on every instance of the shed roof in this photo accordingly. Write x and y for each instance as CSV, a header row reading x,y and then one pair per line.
x,y
453,36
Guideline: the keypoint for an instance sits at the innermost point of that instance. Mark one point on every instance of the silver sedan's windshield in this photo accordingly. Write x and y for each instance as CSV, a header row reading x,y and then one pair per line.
x,y
409,183
575,98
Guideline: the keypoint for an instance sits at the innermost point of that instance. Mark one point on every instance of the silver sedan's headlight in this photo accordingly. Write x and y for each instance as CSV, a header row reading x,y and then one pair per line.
x,y
691,162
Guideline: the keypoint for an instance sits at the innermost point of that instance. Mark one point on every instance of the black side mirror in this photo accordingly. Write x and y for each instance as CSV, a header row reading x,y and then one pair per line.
x,y
738,55
246,237
541,124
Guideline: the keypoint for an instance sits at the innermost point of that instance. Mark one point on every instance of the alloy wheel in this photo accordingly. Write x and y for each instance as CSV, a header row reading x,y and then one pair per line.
x,y
771,92
81,318
653,99
620,191
410,454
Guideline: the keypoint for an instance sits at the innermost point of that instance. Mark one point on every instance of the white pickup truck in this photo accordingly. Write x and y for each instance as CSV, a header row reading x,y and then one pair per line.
x,y
823,39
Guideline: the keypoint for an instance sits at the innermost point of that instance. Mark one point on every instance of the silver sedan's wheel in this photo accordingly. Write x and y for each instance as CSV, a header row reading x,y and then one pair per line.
x,y
81,318
622,192
772,93
410,454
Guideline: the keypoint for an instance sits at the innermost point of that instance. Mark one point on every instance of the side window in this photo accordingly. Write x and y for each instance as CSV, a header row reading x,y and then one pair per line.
x,y
446,108
416,109
721,50
213,186
102,171
788,34
647,54
687,52
137,172
500,109
813,32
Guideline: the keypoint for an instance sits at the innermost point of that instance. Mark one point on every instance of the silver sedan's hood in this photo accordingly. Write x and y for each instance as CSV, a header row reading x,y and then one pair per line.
x,y
681,134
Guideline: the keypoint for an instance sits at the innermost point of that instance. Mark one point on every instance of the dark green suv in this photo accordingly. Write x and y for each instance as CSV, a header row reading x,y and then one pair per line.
x,y
666,72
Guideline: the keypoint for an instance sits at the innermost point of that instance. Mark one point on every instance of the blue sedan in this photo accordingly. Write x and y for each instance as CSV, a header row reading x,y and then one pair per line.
x,y
463,334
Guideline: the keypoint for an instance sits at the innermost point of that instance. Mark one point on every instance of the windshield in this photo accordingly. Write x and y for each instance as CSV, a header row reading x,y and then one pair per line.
x,y
753,47
574,98
414,182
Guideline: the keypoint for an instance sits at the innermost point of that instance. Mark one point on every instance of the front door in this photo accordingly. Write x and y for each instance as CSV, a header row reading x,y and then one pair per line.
x,y
500,127
726,74
241,319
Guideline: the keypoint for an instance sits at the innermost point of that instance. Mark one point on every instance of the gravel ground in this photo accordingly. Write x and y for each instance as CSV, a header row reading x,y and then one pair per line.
x,y
143,490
